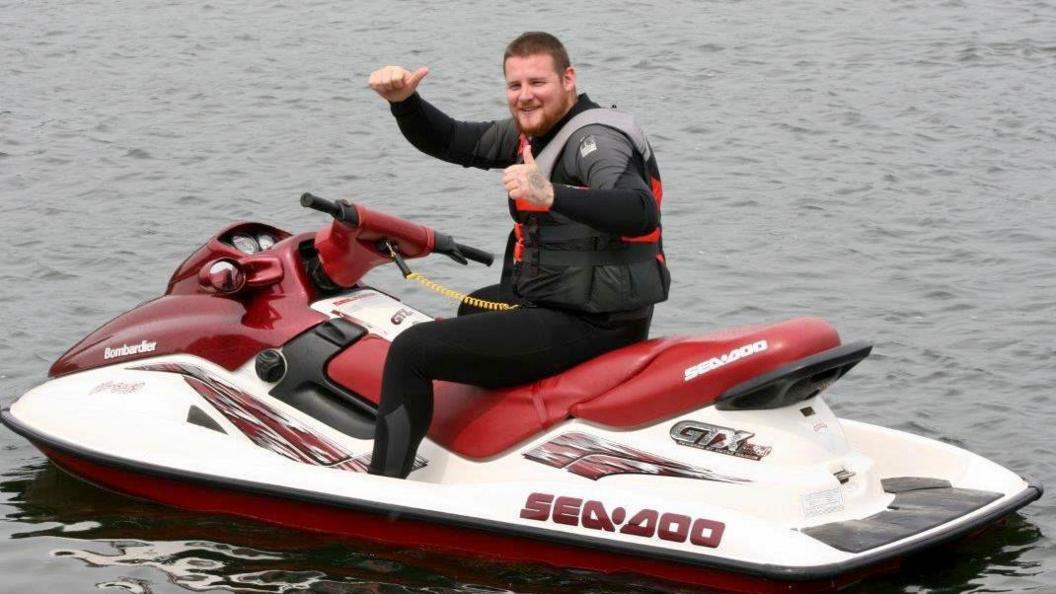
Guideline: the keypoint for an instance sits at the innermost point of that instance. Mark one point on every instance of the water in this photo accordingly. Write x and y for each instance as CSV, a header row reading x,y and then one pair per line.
x,y
887,166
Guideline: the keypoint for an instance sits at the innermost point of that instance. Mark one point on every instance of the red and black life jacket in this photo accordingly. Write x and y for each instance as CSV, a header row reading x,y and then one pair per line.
x,y
563,263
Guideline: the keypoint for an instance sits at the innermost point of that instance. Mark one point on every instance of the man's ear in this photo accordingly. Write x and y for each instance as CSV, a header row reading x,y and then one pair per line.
x,y
568,79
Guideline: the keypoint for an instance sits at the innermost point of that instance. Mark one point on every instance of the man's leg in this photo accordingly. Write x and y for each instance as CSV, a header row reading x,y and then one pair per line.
x,y
489,349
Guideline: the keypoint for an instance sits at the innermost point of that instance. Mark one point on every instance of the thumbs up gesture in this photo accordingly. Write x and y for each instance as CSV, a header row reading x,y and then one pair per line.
x,y
526,182
396,83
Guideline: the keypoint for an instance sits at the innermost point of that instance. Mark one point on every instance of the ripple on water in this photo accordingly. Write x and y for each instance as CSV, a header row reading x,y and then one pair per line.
x,y
137,153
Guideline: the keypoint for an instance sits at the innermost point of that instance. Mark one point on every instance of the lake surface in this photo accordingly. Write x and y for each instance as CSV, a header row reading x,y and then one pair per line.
x,y
887,166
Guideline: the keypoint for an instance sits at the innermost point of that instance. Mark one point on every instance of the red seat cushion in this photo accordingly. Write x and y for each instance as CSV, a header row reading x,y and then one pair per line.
x,y
478,423
639,384
667,388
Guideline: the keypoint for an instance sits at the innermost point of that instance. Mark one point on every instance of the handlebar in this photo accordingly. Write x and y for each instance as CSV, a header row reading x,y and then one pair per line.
x,y
342,211
443,244
477,255
309,200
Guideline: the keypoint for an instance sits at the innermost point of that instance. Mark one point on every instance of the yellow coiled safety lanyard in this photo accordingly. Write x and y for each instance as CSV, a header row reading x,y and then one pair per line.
x,y
446,292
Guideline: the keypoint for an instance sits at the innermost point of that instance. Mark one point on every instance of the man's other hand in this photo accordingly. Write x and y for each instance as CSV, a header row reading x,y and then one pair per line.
x,y
526,182
395,83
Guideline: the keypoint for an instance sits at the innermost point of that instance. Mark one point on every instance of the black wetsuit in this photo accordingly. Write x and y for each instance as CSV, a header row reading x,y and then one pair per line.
x,y
602,187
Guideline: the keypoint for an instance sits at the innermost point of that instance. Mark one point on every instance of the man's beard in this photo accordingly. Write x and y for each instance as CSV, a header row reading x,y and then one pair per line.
x,y
550,115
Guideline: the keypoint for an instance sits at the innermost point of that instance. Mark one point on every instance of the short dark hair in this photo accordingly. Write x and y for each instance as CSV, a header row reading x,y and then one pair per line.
x,y
532,43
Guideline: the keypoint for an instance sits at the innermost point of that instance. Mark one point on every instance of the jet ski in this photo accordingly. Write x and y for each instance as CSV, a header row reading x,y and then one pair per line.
x,y
250,388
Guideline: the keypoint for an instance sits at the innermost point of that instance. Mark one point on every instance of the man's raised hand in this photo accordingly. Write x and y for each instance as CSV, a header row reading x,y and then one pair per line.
x,y
526,182
395,83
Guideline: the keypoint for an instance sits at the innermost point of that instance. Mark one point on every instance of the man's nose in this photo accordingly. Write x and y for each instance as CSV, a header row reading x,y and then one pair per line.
x,y
525,95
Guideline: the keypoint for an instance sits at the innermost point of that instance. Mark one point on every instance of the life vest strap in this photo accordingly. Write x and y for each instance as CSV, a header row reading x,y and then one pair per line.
x,y
518,246
632,254
547,234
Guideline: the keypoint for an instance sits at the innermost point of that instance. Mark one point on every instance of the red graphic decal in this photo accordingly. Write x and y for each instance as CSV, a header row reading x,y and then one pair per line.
x,y
266,427
594,458
352,298
647,523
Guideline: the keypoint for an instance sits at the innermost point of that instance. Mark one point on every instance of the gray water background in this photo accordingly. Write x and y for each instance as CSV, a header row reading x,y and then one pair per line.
x,y
887,166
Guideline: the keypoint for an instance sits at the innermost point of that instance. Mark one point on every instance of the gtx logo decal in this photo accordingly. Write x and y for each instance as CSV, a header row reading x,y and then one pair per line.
x,y
714,438
266,427
716,362
380,314
126,350
647,523
595,458
400,316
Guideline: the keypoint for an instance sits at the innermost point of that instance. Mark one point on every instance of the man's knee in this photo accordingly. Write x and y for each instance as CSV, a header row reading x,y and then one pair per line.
x,y
408,344
417,349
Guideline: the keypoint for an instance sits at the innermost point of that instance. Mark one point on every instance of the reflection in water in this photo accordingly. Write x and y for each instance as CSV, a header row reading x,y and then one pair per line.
x,y
129,584
195,565
198,552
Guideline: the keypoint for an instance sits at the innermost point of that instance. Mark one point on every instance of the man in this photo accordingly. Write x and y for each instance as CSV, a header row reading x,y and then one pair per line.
x,y
584,260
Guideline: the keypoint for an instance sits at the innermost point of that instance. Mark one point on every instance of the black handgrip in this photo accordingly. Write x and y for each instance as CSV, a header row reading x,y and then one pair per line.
x,y
309,200
342,211
472,253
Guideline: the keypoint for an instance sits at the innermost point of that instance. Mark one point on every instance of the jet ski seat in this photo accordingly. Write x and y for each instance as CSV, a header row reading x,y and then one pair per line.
x,y
635,385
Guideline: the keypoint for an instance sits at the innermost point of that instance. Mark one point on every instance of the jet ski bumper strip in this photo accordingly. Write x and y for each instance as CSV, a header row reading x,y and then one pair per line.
x,y
312,511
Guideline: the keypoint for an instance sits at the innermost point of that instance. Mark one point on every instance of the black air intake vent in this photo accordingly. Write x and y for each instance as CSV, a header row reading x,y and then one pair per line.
x,y
795,382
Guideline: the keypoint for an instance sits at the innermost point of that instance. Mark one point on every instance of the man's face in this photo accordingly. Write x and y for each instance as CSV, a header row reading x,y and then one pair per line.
x,y
537,94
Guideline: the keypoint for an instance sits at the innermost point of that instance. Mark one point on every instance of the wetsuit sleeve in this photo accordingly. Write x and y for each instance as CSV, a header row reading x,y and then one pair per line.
x,y
470,144
617,199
